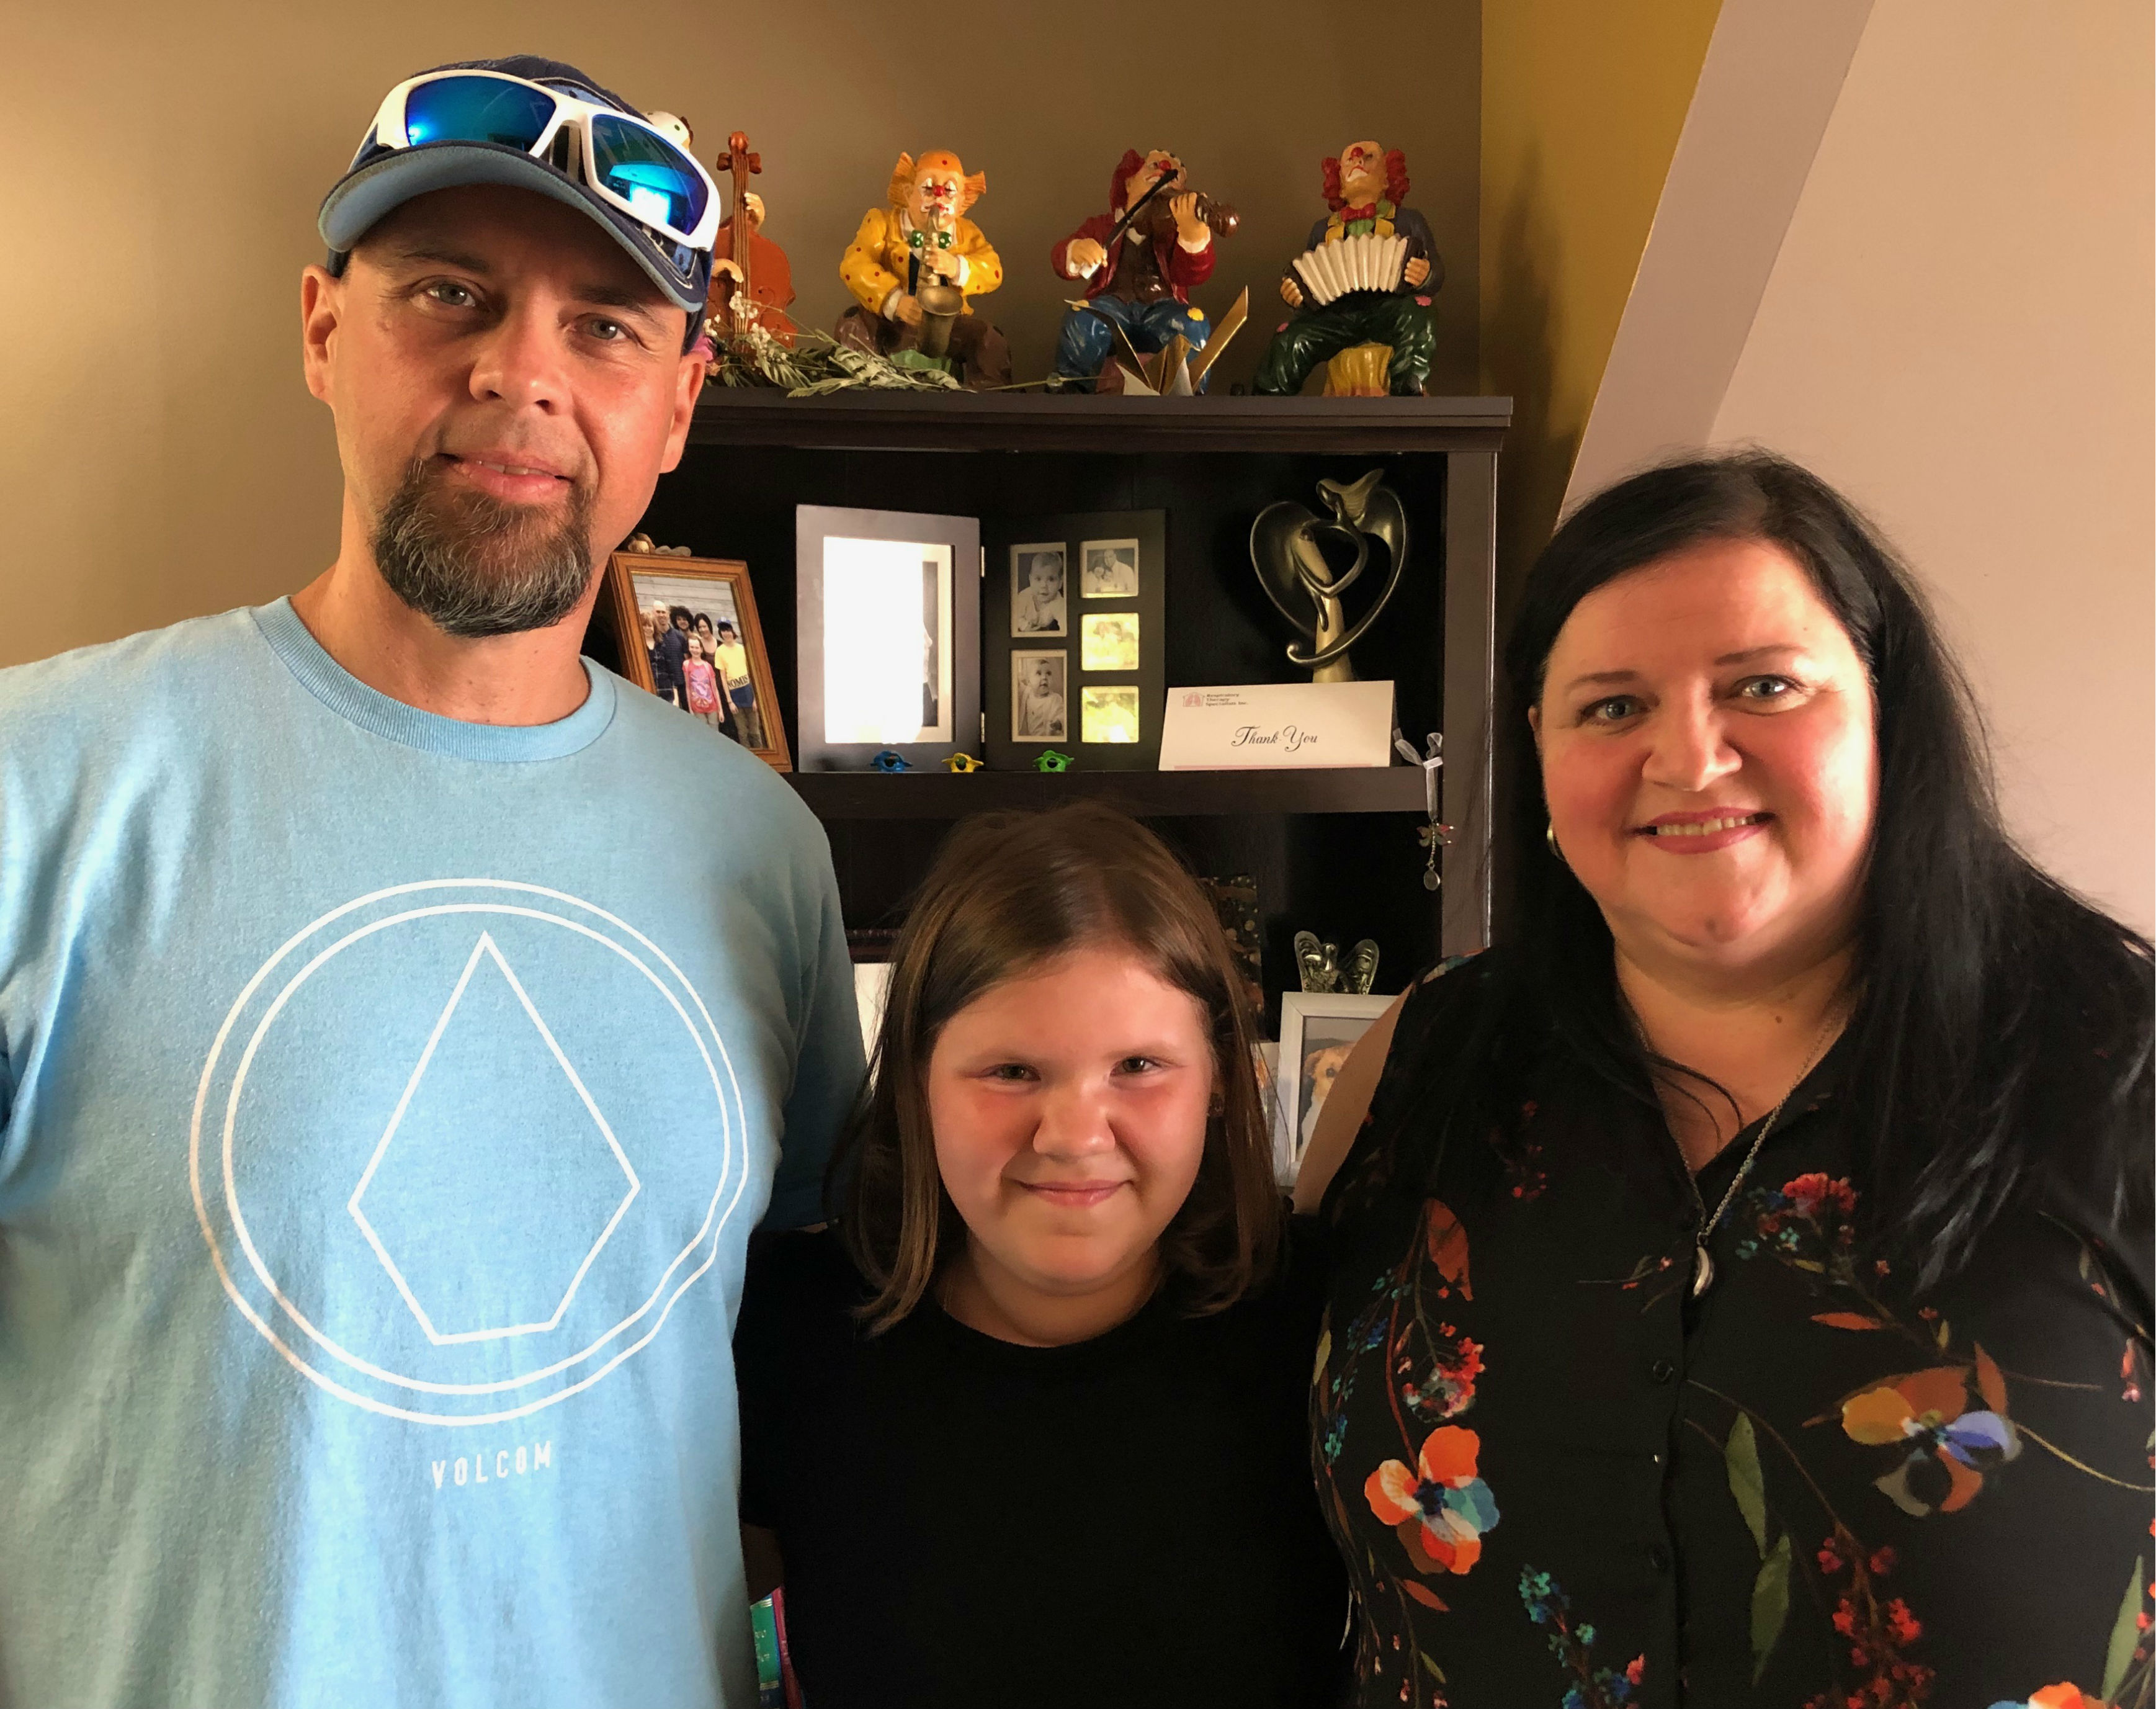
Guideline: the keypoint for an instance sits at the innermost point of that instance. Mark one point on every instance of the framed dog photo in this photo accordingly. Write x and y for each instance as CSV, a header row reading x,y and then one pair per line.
x,y
1317,1030
686,629
1110,569
1040,590
1041,705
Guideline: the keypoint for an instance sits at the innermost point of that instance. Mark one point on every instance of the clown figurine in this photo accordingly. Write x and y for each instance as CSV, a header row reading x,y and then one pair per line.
x,y
1365,188
923,239
1139,263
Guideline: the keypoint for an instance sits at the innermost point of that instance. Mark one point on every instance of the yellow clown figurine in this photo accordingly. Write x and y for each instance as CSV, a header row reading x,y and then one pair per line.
x,y
923,243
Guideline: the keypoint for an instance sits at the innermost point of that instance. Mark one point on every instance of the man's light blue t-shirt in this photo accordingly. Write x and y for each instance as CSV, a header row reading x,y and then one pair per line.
x,y
385,1104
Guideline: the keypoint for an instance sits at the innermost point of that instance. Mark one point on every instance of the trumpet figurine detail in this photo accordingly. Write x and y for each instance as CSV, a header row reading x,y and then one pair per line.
x,y
1139,262
914,267
1360,292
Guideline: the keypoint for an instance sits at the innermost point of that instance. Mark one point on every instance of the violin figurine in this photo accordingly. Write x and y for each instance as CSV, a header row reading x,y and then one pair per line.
x,y
752,281
1138,264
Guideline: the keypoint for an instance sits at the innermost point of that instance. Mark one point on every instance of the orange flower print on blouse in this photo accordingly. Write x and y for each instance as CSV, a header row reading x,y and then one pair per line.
x,y
1950,1446
1440,1508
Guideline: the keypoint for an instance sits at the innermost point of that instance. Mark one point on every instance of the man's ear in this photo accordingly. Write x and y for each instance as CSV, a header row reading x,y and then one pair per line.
x,y
321,308
688,384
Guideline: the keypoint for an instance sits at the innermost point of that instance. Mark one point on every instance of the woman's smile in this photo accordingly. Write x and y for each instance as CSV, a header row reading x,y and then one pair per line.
x,y
1704,832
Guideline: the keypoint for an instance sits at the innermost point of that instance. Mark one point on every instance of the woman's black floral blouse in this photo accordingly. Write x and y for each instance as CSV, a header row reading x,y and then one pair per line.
x,y
1558,1481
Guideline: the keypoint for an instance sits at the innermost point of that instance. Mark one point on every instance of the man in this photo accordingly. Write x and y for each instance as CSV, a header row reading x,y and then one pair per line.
x,y
1366,190
669,647
1140,279
386,1097
923,237
739,687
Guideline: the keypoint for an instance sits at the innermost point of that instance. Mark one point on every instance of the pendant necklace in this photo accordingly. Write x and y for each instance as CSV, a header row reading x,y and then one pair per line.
x,y
1702,1267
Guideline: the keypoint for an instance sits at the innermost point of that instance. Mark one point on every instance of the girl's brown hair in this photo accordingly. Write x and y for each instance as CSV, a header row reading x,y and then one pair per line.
x,y
1006,894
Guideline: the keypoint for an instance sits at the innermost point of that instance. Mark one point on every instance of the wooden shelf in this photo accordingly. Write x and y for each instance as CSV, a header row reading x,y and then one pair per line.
x,y
1212,463
975,421
946,795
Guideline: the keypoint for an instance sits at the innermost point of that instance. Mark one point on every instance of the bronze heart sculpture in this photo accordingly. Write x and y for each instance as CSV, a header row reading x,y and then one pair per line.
x,y
1301,582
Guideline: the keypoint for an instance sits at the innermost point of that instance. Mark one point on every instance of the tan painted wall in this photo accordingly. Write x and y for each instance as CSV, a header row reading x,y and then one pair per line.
x,y
1958,333
1582,101
158,455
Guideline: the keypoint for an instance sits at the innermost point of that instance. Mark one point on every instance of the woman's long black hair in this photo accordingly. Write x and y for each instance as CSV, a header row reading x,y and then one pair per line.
x,y
2000,1041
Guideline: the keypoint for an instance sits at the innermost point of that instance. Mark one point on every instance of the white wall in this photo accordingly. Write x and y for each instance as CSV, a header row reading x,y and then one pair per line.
x,y
1773,75
1948,313
1958,333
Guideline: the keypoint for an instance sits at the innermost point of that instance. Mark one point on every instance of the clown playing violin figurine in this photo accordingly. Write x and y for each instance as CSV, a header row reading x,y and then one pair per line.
x,y
1140,262
914,267
1362,288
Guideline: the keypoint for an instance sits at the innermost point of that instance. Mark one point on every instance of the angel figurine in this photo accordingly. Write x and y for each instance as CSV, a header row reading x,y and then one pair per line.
x,y
1322,970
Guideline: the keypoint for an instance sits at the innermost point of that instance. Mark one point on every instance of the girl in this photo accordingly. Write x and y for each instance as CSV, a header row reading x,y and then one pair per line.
x,y
700,683
1026,1427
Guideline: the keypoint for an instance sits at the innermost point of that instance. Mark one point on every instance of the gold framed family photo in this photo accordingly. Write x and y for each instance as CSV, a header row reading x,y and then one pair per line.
x,y
687,632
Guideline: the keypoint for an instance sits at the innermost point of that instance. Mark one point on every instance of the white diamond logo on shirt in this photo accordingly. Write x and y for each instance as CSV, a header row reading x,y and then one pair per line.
x,y
461,1148
484,1168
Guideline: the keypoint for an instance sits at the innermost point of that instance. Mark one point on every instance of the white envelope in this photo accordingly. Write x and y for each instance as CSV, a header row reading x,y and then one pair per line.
x,y
1274,726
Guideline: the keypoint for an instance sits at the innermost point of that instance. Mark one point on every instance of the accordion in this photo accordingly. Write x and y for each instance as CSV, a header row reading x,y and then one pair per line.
x,y
1363,262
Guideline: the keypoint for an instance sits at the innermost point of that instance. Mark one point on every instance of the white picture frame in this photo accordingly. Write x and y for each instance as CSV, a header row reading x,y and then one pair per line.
x,y
855,689
1312,1022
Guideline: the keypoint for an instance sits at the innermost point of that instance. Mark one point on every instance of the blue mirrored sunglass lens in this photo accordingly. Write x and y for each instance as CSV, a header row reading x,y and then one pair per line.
x,y
476,109
660,184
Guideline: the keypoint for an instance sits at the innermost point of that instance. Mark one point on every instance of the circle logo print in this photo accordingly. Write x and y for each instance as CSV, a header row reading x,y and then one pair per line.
x,y
461,1147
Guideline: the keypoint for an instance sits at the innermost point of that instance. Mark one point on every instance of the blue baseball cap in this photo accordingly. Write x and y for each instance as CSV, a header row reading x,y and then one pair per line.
x,y
384,175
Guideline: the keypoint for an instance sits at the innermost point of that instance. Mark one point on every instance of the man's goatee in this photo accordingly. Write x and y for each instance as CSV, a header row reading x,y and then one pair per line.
x,y
475,566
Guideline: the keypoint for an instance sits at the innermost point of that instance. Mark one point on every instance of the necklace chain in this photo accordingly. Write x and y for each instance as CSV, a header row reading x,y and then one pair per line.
x,y
1702,1261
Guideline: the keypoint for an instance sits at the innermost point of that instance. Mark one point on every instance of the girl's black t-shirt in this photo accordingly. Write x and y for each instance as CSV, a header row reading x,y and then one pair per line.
x,y
1128,1521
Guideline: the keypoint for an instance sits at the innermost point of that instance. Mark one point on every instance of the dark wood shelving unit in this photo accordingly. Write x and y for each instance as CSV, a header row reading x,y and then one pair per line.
x,y
1333,851
943,795
972,421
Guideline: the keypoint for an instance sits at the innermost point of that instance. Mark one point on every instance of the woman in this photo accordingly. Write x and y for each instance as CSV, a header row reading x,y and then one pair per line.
x,y
1026,1428
1742,1286
707,637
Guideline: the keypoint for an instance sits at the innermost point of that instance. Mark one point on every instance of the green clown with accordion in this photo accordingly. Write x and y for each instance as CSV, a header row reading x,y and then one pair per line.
x,y
1365,280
